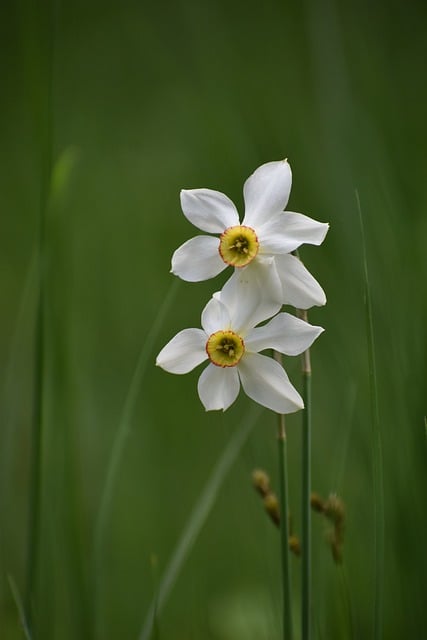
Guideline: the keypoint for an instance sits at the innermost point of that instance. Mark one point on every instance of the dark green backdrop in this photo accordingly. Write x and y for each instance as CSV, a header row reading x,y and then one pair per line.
x,y
146,99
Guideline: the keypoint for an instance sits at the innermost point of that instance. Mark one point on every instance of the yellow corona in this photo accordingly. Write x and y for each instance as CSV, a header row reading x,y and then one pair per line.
x,y
225,348
238,245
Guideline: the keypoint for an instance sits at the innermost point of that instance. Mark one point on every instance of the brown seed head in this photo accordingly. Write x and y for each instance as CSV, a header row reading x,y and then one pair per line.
x,y
334,509
294,545
317,503
271,505
261,482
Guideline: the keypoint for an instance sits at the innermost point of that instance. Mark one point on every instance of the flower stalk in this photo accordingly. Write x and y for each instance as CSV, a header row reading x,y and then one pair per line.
x,y
284,523
306,494
284,529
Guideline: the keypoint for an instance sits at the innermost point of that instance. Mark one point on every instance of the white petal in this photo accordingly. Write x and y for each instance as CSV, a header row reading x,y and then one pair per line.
x,y
273,237
284,333
266,192
218,387
184,352
300,289
265,381
215,316
198,259
209,210
252,294
288,230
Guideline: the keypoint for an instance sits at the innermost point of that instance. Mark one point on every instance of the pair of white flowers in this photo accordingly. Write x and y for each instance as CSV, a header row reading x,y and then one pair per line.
x,y
265,276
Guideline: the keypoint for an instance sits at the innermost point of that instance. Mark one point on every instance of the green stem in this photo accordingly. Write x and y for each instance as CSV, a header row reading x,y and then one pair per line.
x,y
377,458
306,493
284,529
284,524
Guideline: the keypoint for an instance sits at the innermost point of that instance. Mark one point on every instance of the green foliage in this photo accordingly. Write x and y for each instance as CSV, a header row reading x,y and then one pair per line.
x,y
146,100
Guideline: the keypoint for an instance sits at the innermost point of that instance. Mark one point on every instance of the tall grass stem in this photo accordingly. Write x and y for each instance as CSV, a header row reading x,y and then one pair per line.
x,y
376,443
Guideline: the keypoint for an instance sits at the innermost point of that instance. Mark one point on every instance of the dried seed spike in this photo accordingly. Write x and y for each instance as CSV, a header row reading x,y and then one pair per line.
x,y
317,503
261,482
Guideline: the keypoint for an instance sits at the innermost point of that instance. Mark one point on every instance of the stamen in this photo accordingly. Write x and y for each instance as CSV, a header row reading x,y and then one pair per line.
x,y
238,245
225,348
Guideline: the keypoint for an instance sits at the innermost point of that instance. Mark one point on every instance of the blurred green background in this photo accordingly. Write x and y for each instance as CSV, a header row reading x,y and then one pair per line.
x,y
146,99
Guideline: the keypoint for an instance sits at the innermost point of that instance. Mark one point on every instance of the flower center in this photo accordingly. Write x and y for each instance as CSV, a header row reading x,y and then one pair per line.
x,y
238,246
225,348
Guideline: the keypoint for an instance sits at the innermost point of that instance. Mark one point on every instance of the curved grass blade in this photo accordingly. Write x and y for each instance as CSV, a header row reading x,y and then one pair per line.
x,y
197,519
123,431
20,607
377,454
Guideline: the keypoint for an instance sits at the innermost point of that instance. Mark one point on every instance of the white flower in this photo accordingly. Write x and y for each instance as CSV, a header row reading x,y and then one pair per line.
x,y
231,342
266,231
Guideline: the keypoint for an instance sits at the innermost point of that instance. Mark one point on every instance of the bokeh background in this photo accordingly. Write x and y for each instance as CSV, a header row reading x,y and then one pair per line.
x,y
131,102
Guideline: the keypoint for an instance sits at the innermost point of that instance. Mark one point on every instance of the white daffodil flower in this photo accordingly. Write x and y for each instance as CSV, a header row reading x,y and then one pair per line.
x,y
231,342
265,231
